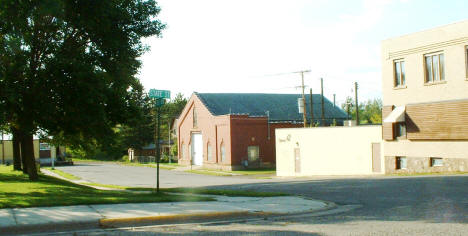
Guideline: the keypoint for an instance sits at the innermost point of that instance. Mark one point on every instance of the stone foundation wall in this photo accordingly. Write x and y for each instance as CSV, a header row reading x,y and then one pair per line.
x,y
423,165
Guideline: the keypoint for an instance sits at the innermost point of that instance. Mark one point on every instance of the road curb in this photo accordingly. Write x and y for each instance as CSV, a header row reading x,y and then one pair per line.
x,y
213,216
49,227
145,220
203,216
161,219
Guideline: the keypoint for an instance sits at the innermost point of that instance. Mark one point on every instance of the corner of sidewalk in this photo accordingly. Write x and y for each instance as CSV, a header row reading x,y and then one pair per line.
x,y
117,215
218,215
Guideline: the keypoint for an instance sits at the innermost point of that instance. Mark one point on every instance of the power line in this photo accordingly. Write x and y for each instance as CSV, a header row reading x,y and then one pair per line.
x,y
300,86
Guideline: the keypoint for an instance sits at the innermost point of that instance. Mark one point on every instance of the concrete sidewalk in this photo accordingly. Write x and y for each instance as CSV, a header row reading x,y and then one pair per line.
x,y
43,219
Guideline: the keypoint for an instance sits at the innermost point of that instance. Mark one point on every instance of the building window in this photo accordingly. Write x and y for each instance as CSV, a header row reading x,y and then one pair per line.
x,y
195,118
400,130
437,161
400,163
223,152
252,152
400,74
435,67
209,152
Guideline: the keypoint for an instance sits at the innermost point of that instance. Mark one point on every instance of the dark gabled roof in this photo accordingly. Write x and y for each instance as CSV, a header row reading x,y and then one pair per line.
x,y
282,107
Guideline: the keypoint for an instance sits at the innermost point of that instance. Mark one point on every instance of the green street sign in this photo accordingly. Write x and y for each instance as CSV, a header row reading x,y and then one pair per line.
x,y
160,102
154,93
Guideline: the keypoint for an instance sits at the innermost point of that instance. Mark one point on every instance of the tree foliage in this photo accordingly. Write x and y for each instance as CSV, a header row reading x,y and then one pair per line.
x,y
370,111
136,133
68,67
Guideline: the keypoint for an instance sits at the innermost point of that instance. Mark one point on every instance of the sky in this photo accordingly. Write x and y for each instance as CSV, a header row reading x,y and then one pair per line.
x,y
252,46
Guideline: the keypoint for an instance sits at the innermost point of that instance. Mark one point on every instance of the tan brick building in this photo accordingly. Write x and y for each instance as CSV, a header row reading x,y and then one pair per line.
x,y
229,131
425,100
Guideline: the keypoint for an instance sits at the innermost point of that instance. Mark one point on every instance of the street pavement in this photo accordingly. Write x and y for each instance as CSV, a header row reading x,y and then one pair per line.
x,y
376,205
438,199
385,205
429,198
138,176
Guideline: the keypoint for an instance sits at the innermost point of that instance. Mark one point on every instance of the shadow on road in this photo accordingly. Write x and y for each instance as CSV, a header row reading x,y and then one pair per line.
x,y
435,199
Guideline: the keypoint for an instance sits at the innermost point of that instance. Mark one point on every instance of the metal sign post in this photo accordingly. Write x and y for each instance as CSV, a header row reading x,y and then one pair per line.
x,y
160,98
3,150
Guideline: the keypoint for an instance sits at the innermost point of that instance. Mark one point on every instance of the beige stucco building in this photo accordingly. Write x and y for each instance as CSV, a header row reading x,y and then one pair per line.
x,y
329,151
425,100
6,151
43,152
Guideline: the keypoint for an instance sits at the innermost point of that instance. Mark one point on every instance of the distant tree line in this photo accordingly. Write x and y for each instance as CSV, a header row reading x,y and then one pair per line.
x,y
370,111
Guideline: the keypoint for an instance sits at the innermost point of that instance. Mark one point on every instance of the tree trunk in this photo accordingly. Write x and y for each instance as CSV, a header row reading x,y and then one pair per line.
x,y
29,156
22,152
57,153
16,149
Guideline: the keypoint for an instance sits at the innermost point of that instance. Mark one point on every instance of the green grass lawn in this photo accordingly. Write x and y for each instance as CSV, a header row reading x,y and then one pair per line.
x,y
235,172
209,172
76,159
63,174
17,191
255,172
165,166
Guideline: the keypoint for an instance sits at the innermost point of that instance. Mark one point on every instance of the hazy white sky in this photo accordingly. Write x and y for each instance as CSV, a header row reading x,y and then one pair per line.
x,y
238,46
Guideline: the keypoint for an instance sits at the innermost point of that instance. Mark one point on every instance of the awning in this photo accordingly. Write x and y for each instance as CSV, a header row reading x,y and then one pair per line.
x,y
397,115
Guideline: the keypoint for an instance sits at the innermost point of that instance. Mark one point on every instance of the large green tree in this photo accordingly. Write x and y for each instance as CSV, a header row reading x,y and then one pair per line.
x,y
68,66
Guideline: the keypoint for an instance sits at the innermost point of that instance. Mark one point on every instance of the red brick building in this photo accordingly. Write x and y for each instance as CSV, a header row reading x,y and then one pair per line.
x,y
231,131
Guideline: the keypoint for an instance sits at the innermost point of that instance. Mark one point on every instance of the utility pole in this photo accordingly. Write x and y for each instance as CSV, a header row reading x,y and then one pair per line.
x,y
303,99
323,106
334,100
348,104
311,109
357,103
303,96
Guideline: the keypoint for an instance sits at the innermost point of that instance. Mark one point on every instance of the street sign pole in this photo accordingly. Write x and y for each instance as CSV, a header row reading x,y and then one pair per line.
x,y
159,96
3,150
158,150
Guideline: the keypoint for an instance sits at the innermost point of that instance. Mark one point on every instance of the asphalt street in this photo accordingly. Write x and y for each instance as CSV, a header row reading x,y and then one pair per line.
x,y
389,205
138,176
